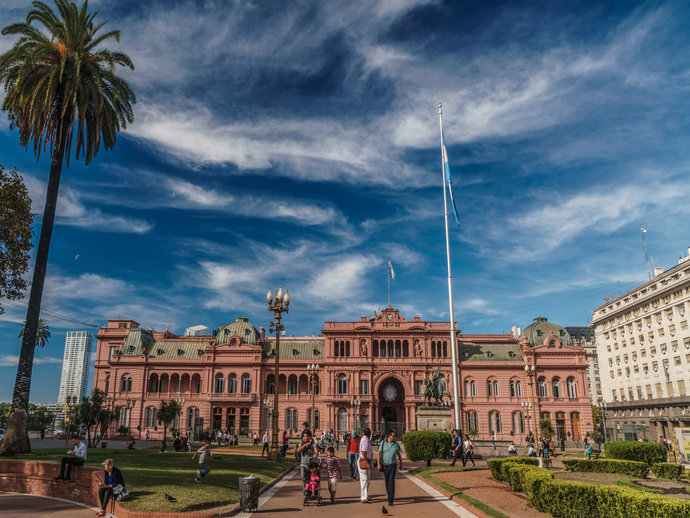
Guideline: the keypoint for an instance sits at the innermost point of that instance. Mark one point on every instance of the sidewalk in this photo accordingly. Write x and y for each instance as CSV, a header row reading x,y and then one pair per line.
x,y
412,501
20,506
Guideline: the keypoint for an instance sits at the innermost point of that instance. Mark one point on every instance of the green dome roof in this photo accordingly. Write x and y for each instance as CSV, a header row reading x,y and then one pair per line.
x,y
537,332
240,327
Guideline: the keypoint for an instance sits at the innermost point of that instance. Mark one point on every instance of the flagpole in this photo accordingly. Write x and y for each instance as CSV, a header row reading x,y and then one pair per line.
x,y
453,347
388,269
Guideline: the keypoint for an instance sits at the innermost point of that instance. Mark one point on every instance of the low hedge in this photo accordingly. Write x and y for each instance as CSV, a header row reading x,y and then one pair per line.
x,y
427,445
649,452
668,470
496,466
624,467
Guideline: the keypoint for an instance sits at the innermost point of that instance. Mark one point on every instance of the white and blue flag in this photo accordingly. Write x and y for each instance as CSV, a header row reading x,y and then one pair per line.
x,y
446,168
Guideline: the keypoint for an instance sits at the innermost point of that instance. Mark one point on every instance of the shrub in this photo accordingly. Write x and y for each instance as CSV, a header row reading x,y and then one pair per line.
x,y
668,470
649,452
624,467
496,465
533,482
516,474
427,445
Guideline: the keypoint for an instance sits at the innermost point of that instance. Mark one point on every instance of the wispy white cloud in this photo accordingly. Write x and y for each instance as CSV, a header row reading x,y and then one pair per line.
x,y
9,360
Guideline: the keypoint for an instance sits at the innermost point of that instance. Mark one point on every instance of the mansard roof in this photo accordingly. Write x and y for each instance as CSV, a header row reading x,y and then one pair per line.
x,y
240,327
483,352
136,341
308,350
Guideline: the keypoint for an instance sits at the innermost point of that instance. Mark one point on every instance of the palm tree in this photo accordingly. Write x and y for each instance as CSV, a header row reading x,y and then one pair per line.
x,y
167,412
42,335
59,87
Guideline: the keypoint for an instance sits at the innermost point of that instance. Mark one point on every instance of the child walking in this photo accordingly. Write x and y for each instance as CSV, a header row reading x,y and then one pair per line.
x,y
204,453
334,472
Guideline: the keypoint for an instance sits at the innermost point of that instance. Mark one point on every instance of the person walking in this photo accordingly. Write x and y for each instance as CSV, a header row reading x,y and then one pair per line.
x,y
493,440
148,435
204,454
456,447
388,451
334,472
265,440
256,439
77,456
112,477
336,439
366,455
353,453
306,452
467,447
286,442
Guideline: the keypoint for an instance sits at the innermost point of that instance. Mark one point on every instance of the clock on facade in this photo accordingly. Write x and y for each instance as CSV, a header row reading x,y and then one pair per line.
x,y
390,393
390,316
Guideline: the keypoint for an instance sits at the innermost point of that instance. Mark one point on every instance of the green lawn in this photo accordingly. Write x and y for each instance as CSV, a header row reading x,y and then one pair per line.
x,y
149,474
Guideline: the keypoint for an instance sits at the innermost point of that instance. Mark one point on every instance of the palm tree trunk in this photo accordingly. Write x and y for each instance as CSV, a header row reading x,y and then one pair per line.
x,y
16,438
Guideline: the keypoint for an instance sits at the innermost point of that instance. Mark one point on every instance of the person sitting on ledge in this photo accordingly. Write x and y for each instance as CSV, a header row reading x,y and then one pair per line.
x,y
77,456
112,477
511,449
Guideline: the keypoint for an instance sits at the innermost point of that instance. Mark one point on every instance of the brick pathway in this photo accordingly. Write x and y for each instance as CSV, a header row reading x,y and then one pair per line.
x,y
412,500
20,506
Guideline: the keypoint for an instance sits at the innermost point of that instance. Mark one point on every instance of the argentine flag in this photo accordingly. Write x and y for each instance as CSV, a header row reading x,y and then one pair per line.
x,y
390,267
446,168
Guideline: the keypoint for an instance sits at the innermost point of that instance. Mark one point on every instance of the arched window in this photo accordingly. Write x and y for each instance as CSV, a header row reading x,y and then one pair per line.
x,y
316,424
512,388
556,387
271,384
342,420
467,388
541,387
438,349
336,348
153,383
406,348
390,348
572,388
489,388
196,383
518,389
232,384
494,422
150,419
107,385
246,384
382,349
375,348
292,385
496,392
472,422
342,384
518,423
219,385
398,349
445,349
433,349
473,389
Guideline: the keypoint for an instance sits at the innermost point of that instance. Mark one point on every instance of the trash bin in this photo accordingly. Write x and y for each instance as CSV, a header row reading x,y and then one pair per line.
x,y
249,492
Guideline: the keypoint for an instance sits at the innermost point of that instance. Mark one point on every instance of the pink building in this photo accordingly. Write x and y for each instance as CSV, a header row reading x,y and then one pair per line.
x,y
225,380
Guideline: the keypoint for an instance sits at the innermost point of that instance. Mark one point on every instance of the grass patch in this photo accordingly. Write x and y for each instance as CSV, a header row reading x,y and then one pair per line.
x,y
426,473
627,482
149,474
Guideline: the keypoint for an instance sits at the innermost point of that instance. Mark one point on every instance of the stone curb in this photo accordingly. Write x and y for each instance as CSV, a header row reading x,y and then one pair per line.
x,y
454,499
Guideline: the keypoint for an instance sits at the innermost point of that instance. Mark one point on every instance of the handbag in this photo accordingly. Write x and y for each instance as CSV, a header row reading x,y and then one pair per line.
x,y
121,493
364,463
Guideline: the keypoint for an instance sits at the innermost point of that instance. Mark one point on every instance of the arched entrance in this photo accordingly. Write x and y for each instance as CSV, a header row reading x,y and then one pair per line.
x,y
391,396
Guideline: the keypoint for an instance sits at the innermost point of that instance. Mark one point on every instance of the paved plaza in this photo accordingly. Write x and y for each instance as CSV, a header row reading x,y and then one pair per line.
x,y
19,506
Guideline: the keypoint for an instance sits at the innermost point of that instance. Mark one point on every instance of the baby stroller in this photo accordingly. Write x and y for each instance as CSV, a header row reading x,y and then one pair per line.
x,y
313,495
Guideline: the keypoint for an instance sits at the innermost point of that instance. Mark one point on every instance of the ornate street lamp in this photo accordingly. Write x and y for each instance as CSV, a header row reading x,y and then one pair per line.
x,y
530,370
602,407
70,402
130,406
313,370
355,404
278,305
526,405
109,401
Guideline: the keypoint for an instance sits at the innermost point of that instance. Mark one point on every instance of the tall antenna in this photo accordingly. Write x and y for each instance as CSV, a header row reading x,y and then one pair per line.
x,y
646,255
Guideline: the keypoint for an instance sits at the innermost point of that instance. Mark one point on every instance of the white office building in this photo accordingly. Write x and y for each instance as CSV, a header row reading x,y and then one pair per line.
x,y
643,347
196,331
75,365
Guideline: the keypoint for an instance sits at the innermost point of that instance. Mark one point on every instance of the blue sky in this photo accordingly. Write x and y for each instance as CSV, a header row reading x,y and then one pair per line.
x,y
299,145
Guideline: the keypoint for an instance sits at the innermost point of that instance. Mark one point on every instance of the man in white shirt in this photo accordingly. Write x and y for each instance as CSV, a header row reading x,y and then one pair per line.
x,y
265,440
366,453
77,456
467,447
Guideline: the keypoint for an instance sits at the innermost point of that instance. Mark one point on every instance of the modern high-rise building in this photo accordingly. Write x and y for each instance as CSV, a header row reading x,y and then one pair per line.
x,y
643,345
75,365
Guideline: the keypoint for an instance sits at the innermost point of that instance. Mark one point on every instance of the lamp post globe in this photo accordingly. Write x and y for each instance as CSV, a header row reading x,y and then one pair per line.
x,y
276,305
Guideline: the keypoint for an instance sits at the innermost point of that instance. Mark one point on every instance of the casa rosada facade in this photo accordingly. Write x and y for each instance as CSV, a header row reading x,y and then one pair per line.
x,y
226,381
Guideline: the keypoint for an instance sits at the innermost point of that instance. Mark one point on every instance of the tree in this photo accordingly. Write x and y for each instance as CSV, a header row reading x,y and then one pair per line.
x,y
60,87
546,427
167,412
42,334
15,235
91,414
427,445
597,420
